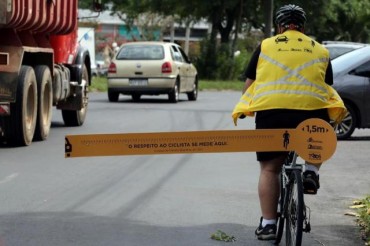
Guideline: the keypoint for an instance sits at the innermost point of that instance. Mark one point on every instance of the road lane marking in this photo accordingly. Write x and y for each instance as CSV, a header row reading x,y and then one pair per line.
x,y
9,178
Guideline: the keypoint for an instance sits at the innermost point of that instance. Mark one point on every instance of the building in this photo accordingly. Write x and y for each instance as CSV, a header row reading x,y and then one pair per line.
x,y
111,30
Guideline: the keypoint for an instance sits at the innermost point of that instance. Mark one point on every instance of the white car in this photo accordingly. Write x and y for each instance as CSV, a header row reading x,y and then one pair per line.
x,y
338,48
352,81
152,68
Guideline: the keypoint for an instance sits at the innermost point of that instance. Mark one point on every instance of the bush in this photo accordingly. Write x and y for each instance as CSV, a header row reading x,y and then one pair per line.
x,y
217,63
206,63
240,64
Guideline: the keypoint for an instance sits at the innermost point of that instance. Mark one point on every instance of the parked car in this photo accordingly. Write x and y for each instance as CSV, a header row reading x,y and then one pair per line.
x,y
99,69
102,68
94,70
152,68
338,48
352,81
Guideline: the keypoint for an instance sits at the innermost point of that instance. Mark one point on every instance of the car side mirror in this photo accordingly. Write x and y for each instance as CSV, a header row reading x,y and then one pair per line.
x,y
97,5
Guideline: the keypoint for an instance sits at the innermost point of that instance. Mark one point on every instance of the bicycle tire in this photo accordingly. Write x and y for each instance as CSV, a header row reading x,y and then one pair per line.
x,y
295,203
281,215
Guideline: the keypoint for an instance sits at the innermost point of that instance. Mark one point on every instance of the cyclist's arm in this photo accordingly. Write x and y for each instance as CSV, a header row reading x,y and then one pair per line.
x,y
248,82
250,72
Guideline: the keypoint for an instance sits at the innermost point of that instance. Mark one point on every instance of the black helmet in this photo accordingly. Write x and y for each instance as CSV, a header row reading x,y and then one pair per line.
x,y
290,14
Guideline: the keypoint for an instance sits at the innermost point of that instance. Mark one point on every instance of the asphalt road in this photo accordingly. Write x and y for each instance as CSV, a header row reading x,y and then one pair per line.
x,y
160,200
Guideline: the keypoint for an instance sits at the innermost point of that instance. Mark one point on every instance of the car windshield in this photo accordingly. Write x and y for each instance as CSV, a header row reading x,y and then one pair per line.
x,y
141,52
350,60
338,51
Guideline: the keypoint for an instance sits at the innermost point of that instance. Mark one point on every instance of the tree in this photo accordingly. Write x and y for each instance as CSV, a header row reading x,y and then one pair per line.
x,y
327,20
347,20
350,21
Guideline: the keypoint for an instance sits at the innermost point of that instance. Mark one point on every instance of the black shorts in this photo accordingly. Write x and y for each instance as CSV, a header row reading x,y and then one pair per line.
x,y
284,118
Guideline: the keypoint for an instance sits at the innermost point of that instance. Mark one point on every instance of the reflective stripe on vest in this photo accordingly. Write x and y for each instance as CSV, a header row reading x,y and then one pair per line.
x,y
292,73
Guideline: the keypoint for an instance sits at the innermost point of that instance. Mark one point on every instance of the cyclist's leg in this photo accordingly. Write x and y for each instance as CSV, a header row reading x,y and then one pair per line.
x,y
271,163
269,191
269,186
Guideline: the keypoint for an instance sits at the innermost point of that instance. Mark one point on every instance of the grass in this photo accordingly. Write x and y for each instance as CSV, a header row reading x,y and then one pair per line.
x,y
100,84
363,213
221,85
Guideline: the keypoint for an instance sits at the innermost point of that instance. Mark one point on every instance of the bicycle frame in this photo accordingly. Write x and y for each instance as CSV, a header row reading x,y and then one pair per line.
x,y
291,174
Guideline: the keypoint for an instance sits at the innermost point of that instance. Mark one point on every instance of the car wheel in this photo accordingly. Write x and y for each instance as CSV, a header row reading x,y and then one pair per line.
x,y
136,97
113,96
193,95
174,95
345,129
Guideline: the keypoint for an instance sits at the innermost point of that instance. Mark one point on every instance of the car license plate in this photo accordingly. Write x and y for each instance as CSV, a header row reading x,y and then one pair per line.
x,y
138,82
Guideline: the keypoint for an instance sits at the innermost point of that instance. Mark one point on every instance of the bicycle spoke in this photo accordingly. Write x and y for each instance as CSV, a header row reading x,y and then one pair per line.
x,y
281,219
294,223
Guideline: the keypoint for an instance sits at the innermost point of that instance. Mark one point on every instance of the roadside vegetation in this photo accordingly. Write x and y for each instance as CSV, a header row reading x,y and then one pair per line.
x,y
362,212
100,84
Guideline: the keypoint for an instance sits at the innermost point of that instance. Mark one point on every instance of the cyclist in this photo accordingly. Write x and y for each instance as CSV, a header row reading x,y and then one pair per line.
x,y
288,81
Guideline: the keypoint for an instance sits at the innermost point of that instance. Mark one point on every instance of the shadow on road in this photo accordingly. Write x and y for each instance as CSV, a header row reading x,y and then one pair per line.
x,y
76,228
357,138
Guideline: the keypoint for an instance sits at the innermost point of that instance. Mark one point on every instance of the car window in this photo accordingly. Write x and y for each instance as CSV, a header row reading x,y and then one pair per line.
x,y
141,52
186,59
176,54
363,70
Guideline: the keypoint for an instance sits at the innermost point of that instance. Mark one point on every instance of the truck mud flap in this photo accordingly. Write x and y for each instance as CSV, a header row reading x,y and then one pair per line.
x,y
8,86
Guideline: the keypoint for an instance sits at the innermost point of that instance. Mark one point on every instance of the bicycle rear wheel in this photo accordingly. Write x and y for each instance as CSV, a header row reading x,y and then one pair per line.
x,y
295,203
281,213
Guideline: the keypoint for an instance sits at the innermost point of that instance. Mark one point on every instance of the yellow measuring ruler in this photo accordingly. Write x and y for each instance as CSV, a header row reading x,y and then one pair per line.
x,y
314,140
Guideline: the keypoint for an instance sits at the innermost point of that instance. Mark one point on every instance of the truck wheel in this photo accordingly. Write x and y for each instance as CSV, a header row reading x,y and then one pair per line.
x,y
45,102
24,110
77,117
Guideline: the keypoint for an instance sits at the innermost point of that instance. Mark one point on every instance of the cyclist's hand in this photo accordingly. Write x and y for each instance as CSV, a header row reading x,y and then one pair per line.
x,y
242,116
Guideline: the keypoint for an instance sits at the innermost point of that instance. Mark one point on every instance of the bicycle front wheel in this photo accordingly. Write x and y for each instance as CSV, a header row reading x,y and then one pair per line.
x,y
281,212
294,220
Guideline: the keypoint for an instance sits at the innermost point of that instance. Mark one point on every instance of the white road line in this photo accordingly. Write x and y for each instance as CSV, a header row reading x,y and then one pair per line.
x,y
9,178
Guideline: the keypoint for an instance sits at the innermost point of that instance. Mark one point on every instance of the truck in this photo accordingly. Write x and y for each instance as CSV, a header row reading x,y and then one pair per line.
x,y
86,38
42,66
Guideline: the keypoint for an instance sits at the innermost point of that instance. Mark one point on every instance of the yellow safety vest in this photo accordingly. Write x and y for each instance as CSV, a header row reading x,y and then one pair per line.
x,y
291,75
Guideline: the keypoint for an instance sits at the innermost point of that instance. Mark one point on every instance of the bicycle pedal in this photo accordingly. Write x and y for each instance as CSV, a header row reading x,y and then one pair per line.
x,y
310,191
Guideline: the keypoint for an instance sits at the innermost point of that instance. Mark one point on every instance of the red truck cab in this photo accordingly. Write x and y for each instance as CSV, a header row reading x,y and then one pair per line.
x,y
41,65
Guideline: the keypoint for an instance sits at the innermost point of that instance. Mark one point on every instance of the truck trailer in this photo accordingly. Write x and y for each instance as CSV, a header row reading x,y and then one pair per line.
x,y
41,65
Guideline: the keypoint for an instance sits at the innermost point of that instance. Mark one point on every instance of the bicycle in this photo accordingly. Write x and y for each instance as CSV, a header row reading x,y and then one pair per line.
x,y
292,208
